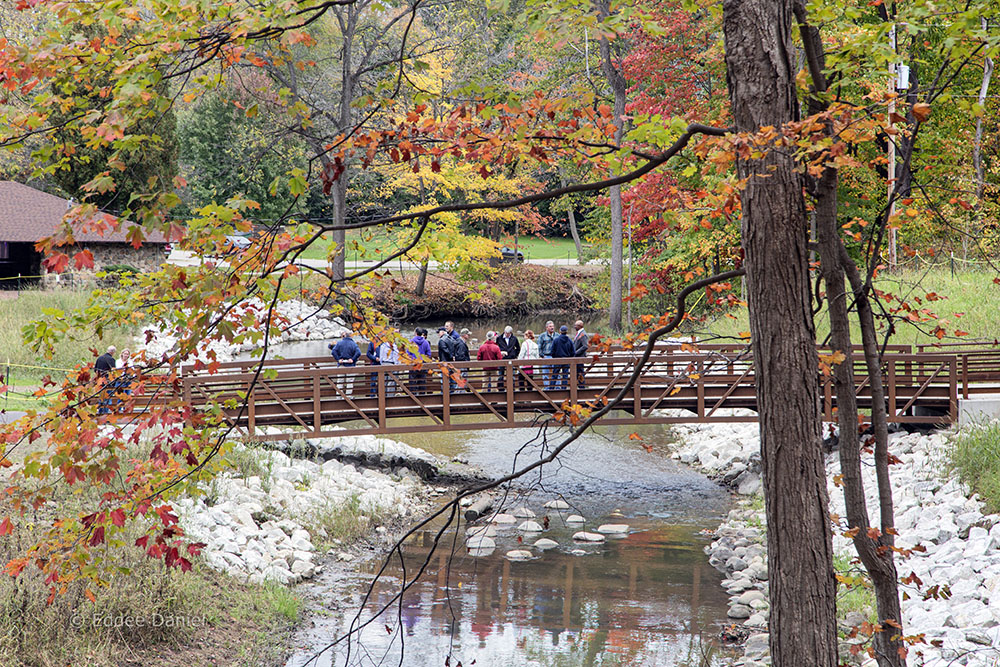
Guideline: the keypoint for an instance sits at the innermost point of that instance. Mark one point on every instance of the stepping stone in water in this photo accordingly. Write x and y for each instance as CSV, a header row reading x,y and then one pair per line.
x,y
613,529
584,536
578,552
530,527
481,542
523,513
489,530
519,554
575,518
546,543
503,519
557,505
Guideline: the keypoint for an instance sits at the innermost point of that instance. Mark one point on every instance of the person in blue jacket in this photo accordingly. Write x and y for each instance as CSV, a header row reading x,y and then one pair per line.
x,y
347,353
562,348
372,356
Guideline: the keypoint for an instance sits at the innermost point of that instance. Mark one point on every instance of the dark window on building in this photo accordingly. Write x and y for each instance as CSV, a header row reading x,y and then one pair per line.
x,y
4,251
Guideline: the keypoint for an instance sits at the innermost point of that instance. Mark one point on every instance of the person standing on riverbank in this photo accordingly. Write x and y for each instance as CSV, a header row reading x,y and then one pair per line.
x,y
581,343
545,341
529,350
490,351
562,348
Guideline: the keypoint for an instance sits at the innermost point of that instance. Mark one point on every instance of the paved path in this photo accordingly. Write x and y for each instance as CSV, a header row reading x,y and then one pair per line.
x,y
184,258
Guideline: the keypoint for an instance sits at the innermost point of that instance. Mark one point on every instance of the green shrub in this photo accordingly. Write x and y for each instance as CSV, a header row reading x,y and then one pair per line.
x,y
976,458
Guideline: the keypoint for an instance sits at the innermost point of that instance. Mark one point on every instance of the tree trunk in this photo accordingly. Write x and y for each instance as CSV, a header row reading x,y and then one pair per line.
x,y
802,623
422,278
977,147
878,561
571,214
620,87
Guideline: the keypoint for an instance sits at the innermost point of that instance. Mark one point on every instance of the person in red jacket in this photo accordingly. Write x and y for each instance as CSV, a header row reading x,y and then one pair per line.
x,y
490,351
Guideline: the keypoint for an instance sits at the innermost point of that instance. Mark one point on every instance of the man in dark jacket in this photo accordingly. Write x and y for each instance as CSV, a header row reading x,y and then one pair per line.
x,y
509,346
581,342
371,354
545,340
347,353
104,365
446,345
562,348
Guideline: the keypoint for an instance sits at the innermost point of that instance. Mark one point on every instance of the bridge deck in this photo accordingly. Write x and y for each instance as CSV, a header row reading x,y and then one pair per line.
x,y
309,396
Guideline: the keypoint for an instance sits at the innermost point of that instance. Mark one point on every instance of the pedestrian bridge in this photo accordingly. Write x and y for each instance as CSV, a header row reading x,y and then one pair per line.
x,y
309,396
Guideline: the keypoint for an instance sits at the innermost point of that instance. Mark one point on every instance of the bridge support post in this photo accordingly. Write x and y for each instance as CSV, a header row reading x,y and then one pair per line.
x,y
380,389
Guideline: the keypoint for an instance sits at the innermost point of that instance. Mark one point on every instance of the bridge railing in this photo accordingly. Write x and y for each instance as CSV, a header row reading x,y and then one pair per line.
x,y
674,387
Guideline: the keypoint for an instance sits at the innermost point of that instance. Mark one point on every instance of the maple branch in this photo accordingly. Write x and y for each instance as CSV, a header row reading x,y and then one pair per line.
x,y
655,161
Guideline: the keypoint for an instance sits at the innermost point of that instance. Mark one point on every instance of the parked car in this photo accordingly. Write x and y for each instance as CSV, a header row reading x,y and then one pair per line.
x,y
511,255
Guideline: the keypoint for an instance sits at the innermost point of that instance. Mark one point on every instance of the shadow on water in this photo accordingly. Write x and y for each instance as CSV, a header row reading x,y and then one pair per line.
x,y
649,598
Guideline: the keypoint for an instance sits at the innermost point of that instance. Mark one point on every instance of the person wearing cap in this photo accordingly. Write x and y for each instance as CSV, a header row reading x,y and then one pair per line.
x,y
562,348
490,351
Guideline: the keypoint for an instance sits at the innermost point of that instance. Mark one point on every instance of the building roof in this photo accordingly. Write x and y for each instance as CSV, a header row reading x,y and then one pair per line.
x,y
27,215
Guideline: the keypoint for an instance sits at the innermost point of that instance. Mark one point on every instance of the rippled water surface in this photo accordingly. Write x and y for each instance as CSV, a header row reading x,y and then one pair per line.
x,y
649,598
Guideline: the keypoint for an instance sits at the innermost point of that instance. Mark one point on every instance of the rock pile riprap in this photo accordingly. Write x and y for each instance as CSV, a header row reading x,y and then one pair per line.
x,y
258,527
302,322
962,543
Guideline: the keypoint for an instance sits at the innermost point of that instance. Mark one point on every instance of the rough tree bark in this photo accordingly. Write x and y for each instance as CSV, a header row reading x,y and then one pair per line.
x,y
977,145
619,87
873,552
571,214
761,78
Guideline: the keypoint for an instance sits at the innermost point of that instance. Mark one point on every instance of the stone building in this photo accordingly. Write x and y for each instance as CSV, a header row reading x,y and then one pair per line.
x,y
27,215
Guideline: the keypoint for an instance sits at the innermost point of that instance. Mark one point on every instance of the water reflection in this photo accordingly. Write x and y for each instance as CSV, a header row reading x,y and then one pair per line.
x,y
649,598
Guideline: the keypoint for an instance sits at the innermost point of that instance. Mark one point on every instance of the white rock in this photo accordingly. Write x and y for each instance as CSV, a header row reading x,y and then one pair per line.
x,y
545,543
480,542
575,518
530,527
613,528
557,505
503,519
519,554
584,536
523,512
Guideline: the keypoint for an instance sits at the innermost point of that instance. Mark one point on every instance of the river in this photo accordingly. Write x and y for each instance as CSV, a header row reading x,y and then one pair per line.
x,y
649,598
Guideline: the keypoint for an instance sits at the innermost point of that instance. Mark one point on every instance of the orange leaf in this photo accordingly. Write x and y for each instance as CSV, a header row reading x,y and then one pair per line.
x,y
921,111
90,595
6,527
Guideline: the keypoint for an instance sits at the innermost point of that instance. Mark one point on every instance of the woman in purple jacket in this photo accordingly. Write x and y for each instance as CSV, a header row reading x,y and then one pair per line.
x,y
418,377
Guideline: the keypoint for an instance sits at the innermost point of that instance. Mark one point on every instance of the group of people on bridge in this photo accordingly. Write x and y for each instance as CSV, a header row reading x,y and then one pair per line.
x,y
454,346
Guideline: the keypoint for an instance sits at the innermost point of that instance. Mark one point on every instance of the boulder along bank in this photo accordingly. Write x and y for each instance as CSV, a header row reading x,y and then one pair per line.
x,y
932,510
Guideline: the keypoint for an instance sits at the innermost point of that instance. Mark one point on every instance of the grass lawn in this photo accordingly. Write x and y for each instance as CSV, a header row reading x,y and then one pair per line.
x,y
970,301
374,246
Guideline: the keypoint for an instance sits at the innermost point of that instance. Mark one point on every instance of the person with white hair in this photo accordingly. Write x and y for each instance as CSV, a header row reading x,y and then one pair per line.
x,y
509,345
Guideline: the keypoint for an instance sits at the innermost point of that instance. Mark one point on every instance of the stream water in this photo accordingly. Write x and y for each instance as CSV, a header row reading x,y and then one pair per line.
x,y
649,598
